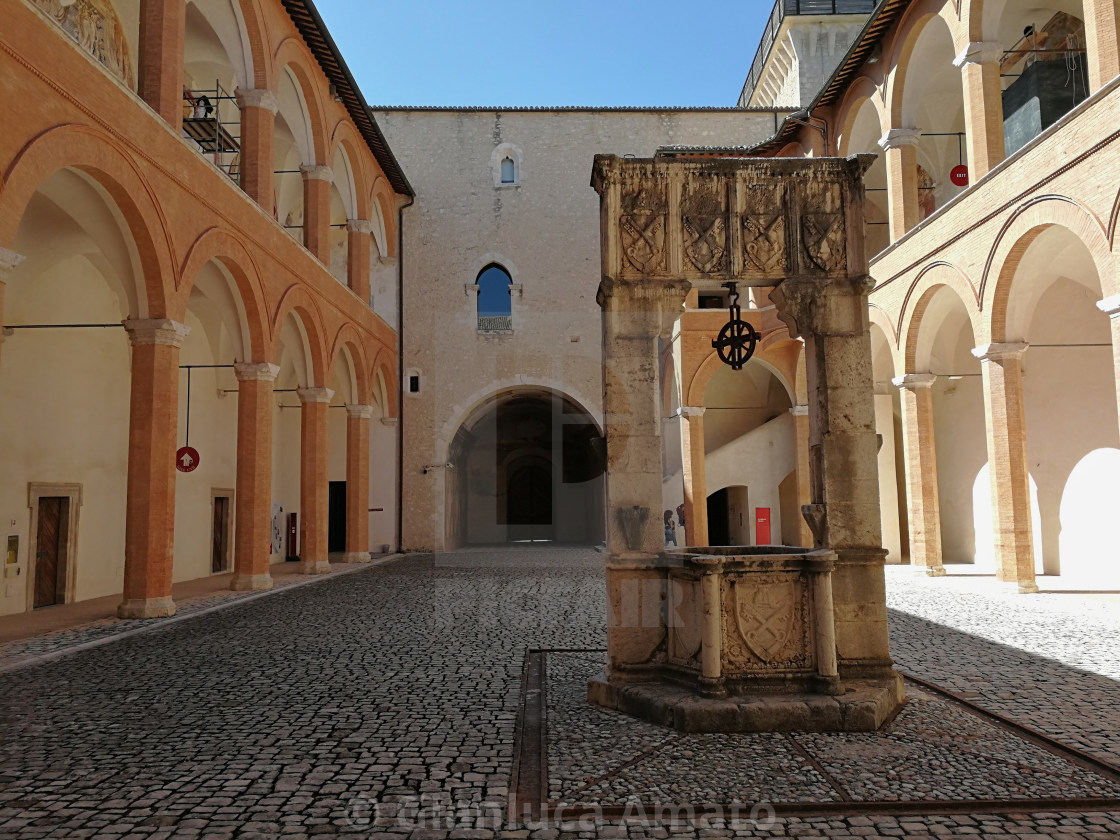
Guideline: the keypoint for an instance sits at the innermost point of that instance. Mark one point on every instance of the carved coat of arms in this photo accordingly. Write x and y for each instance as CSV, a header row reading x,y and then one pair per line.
x,y
705,231
823,235
765,618
764,243
686,620
644,222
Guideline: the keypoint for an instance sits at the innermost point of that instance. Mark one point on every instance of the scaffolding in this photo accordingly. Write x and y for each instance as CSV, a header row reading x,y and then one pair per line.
x,y
217,138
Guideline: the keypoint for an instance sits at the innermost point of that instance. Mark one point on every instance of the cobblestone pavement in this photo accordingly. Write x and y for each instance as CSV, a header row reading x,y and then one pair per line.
x,y
332,709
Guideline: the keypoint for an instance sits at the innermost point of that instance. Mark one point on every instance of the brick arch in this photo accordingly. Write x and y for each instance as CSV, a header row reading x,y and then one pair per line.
x,y
382,363
349,337
909,29
1113,222
862,91
1017,234
881,317
346,138
298,300
912,320
292,54
794,150
383,194
223,246
86,150
257,37
712,363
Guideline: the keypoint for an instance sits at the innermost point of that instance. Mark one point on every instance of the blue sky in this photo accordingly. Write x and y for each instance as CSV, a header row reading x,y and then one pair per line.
x,y
570,52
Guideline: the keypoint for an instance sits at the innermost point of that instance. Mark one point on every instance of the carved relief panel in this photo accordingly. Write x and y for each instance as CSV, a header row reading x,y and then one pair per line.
x,y
644,227
763,209
686,621
766,624
823,232
95,25
704,226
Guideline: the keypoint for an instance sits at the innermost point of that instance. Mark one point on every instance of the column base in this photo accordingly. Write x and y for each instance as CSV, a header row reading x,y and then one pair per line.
x,y
357,557
314,567
146,608
1027,587
251,583
930,571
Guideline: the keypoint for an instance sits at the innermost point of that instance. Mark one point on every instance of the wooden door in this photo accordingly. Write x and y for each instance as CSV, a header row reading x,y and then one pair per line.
x,y
336,517
50,551
220,541
529,513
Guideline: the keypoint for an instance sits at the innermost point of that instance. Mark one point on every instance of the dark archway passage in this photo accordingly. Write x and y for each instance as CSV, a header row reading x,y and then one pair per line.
x,y
528,466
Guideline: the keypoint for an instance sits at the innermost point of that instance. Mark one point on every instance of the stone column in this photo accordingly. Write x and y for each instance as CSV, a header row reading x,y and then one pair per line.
x,y
1102,38
695,473
150,501
358,233
983,106
831,314
1002,368
900,146
635,315
919,448
8,262
357,482
1110,306
159,65
317,182
888,467
313,480
258,125
801,448
252,554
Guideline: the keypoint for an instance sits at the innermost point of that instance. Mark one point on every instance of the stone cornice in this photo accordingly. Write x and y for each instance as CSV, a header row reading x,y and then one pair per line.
x,y
1000,352
914,381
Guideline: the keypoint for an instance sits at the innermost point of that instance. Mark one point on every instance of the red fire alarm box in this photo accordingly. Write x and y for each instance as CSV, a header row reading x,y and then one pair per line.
x,y
762,526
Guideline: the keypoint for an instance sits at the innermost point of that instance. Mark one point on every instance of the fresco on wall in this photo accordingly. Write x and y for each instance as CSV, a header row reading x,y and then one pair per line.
x,y
95,25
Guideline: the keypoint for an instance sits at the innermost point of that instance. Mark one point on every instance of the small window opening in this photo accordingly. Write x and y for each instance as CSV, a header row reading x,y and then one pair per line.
x,y
495,306
509,171
414,384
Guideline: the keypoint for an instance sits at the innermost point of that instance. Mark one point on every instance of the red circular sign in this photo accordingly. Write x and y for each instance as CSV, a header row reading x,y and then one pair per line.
x,y
186,459
959,175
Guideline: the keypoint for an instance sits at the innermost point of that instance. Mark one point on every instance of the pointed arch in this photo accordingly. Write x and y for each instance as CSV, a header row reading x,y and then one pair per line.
x,y
345,138
350,339
863,90
101,160
912,320
292,55
383,366
257,37
384,199
907,33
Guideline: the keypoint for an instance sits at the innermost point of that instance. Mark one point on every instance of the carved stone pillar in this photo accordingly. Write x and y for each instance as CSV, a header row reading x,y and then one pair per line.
x,y
159,65
150,501
1110,306
983,106
313,480
252,553
317,182
1002,368
801,448
695,476
8,262
922,502
900,146
358,244
258,125
1102,38
357,482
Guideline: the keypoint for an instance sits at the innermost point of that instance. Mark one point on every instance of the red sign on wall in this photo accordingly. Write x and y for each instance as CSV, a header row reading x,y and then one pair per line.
x,y
959,175
762,526
186,459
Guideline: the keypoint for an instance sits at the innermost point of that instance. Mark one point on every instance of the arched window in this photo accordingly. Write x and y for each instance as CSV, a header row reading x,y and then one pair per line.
x,y
509,171
494,301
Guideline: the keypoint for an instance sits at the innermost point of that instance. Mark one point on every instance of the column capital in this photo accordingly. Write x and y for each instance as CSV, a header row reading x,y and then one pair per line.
x,y
161,331
388,261
256,98
692,411
358,226
256,371
979,52
1110,306
914,381
1000,352
314,395
388,421
896,138
359,412
799,411
8,262
317,173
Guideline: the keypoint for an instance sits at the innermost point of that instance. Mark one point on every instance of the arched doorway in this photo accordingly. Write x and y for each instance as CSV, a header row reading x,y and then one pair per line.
x,y
527,466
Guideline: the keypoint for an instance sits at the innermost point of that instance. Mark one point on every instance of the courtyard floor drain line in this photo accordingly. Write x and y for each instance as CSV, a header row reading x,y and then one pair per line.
x,y
942,755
